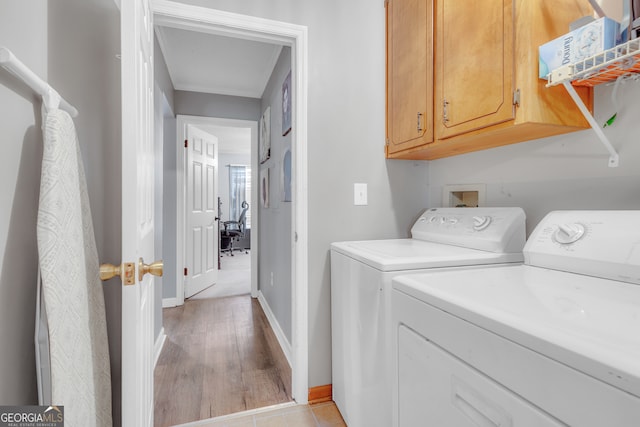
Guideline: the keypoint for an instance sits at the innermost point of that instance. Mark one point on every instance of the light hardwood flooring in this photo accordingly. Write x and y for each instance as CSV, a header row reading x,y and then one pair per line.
x,y
220,357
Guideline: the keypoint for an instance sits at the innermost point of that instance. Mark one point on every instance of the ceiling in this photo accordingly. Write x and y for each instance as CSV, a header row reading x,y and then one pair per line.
x,y
231,140
209,63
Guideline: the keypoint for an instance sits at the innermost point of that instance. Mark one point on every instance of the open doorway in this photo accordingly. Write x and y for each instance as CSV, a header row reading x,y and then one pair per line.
x,y
233,213
185,17
231,359
223,128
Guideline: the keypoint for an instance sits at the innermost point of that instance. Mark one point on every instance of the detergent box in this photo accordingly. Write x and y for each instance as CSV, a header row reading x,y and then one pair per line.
x,y
579,44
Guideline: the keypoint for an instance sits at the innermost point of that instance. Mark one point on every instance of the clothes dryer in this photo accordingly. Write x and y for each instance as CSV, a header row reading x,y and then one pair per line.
x,y
361,274
553,342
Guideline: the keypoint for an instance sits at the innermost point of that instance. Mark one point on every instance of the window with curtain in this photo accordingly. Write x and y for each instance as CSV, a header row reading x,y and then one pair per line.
x,y
239,191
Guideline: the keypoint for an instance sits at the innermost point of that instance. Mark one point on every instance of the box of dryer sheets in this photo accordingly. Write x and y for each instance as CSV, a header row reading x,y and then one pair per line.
x,y
579,44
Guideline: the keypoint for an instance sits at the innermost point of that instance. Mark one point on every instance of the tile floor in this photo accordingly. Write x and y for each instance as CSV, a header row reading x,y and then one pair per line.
x,y
286,415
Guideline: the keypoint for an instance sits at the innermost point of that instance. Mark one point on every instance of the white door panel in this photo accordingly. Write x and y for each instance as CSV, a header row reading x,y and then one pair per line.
x,y
137,210
202,196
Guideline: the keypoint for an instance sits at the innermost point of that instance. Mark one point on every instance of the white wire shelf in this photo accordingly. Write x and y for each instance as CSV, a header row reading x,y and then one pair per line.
x,y
609,65
601,68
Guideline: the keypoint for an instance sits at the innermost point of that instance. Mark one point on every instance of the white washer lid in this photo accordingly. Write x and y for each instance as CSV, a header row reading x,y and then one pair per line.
x,y
413,254
588,323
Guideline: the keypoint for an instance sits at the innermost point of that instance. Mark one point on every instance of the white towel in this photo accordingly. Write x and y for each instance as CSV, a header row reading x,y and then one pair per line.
x,y
74,300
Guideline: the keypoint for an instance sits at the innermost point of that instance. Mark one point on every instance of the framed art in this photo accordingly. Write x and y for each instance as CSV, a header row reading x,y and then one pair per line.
x,y
286,105
265,135
264,187
285,182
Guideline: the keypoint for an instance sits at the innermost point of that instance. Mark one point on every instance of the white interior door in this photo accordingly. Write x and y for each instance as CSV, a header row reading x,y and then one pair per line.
x,y
137,211
201,211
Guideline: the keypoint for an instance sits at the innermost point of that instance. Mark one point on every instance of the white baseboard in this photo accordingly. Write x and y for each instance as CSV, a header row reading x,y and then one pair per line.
x,y
169,302
280,336
162,337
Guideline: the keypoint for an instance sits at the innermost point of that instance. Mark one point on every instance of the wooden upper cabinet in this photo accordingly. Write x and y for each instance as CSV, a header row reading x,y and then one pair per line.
x,y
474,65
483,86
409,74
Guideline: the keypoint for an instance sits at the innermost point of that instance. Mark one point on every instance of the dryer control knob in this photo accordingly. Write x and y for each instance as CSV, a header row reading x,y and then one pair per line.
x,y
568,233
481,222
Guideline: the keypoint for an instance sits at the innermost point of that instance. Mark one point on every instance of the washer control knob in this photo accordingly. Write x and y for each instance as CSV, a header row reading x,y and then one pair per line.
x,y
569,233
481,222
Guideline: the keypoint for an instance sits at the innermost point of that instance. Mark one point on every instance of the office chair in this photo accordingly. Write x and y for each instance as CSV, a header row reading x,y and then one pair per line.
x,y
235,230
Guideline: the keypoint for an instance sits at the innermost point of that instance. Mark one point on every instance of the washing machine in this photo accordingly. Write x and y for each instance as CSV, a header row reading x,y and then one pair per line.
x,y
552,342
361,273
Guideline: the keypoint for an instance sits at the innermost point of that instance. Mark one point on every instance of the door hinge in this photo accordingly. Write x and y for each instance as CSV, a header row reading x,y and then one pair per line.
x,y
386,142
445,113
186,143
186,271
516,97
386,3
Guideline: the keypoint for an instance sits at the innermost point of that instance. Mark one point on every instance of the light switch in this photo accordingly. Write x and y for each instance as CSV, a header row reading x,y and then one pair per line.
x,y
359,194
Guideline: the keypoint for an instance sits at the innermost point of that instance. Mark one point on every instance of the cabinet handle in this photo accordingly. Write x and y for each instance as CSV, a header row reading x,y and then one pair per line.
x,y
419,122
445,115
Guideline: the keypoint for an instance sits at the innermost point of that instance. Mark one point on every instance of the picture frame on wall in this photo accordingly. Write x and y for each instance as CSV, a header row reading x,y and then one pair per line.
x,y
265,135
286,105
264,187
285,182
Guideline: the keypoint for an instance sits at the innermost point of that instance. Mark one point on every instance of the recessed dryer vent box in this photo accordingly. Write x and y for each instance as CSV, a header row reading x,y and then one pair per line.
x,y
463,195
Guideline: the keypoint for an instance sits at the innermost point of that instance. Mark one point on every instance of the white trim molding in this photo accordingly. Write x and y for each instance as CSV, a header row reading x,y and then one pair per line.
x,y
275,326
169,302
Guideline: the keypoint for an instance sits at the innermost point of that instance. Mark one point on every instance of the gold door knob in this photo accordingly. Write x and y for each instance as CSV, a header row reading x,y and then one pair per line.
x,y
155,268
126,271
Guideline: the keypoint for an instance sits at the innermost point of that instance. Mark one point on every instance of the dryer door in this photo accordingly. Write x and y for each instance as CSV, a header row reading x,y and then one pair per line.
x,y
438,389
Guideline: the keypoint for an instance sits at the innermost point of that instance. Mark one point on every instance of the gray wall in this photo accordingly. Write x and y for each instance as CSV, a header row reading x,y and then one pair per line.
x,y
20,163
73,44
564,172
161,74
274,260
212,105
346,128
170,182
164,159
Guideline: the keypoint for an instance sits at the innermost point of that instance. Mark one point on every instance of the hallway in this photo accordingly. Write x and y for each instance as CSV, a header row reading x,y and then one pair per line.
x,y
220,357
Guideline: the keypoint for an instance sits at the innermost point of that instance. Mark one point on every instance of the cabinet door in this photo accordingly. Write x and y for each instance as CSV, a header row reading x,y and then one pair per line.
x,y
474,65
409,74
